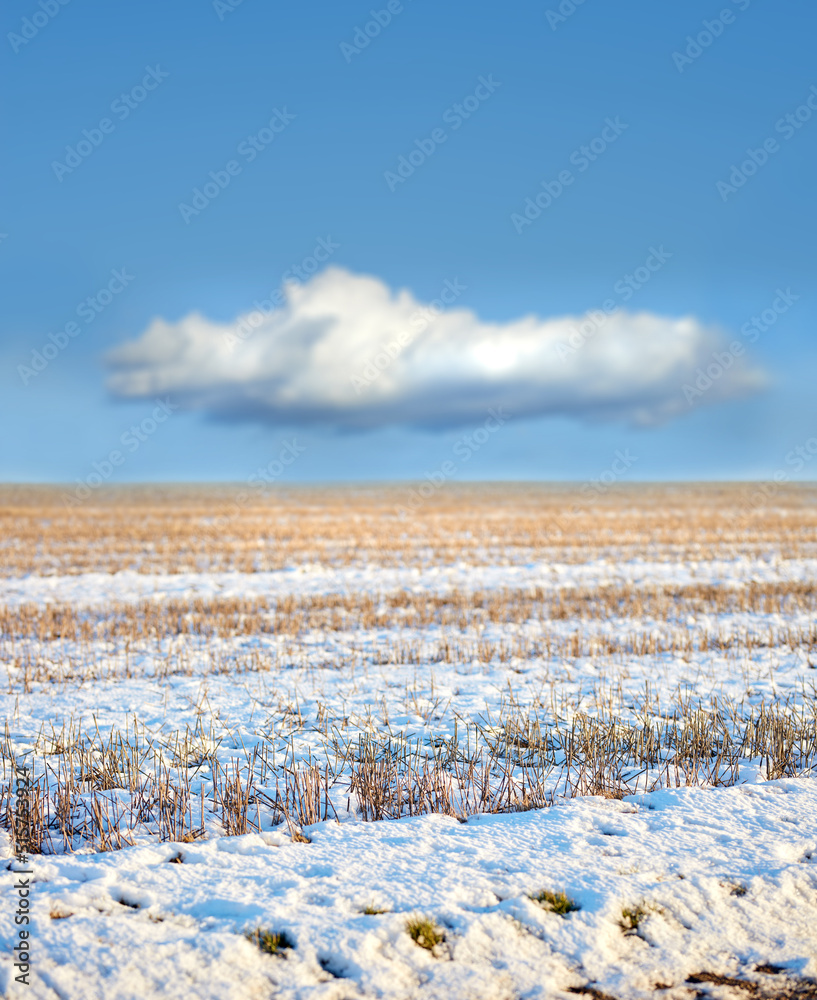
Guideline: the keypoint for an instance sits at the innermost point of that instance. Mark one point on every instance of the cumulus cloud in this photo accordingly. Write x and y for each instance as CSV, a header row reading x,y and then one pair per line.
x,y
344,350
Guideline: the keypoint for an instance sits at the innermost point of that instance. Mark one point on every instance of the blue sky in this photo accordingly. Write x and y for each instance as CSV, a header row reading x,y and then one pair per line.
x,y
686,113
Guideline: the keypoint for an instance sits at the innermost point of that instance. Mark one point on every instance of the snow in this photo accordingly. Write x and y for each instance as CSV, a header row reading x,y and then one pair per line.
x,y
684,855
99,588
726,877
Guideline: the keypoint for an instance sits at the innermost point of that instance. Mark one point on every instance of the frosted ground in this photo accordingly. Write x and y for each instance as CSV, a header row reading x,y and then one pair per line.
x,y
414,732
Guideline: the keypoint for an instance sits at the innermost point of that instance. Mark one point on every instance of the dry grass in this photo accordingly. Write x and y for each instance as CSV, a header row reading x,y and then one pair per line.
x,y
293,615
424,932
110,790
555,902
632,917
176,529
270,942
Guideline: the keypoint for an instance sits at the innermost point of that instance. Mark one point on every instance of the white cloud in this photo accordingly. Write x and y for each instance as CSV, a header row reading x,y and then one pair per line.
x,y
318,359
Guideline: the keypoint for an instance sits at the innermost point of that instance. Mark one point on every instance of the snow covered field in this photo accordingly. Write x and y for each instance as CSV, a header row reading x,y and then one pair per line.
x,y
629,721
727,879
98,588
